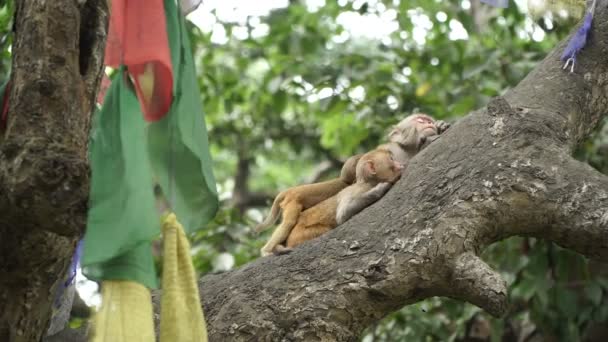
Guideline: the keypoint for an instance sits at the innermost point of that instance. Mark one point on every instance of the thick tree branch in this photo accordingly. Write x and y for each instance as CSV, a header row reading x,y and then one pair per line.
x,y
501,171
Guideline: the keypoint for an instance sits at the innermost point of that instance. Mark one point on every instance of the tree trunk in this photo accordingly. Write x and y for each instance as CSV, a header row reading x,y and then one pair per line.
x,y
44,175
501,171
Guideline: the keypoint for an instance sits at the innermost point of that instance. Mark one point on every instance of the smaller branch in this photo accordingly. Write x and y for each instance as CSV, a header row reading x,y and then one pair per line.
x,y
241,181
581,219
321,171
253,200
475,282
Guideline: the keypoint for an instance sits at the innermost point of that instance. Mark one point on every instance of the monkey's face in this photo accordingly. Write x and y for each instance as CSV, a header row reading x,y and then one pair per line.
x,y
425,125
422,123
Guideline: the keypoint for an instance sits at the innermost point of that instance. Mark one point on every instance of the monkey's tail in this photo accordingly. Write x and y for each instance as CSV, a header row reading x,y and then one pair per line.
x,y
273,216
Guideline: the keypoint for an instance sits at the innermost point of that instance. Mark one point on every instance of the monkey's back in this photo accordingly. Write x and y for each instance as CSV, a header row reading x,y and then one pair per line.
x,y
309,195
314,222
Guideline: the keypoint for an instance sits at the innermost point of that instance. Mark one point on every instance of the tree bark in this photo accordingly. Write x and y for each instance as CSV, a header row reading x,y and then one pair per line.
x,y
44,175
503,170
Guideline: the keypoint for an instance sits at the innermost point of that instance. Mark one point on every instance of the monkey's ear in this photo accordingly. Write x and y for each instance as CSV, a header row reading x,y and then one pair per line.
x,y
393,132
370,168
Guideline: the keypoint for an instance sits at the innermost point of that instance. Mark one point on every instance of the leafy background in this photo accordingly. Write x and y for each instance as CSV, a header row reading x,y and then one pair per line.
x,y
290,93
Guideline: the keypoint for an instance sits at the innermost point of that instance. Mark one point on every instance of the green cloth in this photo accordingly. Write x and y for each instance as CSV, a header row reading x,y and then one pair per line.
x,y
179,149
122,214
128,155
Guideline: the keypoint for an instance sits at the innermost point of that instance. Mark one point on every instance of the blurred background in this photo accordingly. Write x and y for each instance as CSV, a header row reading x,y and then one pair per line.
x,y
292,88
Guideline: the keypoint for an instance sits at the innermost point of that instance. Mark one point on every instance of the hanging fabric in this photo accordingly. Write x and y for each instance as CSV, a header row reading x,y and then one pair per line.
x,y
64,295
188,6
137,39
125,314
103,89
4,92
181,315
578,40
122,219
497,3
130,151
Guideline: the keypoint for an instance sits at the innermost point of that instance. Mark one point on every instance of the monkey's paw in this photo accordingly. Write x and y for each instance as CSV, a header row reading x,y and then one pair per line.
x,y
381,188
442,126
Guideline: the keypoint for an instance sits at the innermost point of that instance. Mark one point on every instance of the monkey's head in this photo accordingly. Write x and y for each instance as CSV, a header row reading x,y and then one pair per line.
x,y
424,125
349,169
378,166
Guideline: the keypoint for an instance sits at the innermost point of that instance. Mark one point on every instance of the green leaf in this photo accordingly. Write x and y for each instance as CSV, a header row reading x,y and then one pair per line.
x,y
593,292
463,106
525,289
603,282
566,302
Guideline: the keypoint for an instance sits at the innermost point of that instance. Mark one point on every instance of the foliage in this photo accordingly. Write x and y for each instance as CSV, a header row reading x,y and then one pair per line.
x,y
308,89
6,37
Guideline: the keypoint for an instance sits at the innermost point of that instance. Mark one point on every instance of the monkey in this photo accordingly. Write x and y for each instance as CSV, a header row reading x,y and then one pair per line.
x,y
405,140
293,201
376,172
412,134
373,169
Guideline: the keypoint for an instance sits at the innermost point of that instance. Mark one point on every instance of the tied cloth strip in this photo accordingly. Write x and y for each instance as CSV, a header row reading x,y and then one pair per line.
x,y
578,40
126,311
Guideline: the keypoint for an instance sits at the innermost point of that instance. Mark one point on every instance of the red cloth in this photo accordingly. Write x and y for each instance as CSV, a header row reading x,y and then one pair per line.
x,y
103,88
4,118
137,36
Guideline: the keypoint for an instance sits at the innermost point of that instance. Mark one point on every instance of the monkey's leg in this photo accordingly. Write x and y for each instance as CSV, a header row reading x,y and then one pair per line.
x,y
291,213
298,235
282,250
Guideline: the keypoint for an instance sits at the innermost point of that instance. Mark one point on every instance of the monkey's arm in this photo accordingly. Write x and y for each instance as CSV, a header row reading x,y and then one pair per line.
x,y
348,207
410,139
442,126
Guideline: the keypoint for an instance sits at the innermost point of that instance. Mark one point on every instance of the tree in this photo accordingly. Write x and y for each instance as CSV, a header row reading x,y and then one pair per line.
x,y
44,176
501,171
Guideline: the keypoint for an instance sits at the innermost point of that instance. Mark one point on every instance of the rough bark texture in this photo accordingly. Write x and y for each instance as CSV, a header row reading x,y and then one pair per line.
x,y
501,171
44,175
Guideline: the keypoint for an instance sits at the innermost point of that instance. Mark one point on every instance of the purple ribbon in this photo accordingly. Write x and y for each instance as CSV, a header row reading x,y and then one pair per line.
x,y
74,265
497,3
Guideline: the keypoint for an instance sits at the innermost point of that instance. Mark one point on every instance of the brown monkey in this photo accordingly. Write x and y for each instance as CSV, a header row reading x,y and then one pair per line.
x,y
411,135
374,168
293,200
376,172
407,138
